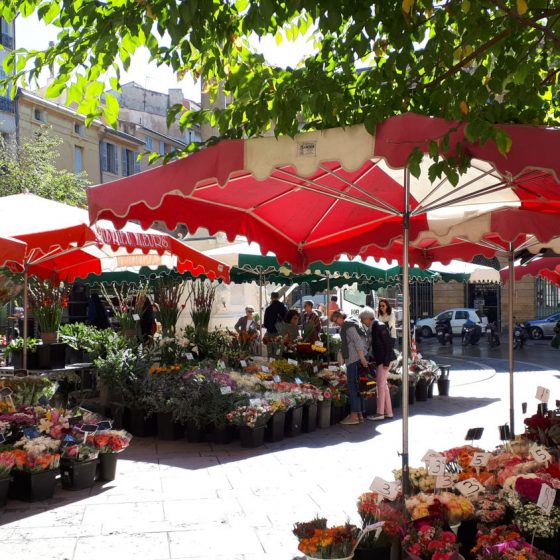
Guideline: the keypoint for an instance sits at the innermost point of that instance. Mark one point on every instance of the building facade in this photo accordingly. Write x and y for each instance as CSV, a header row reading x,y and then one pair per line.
x,y
7,105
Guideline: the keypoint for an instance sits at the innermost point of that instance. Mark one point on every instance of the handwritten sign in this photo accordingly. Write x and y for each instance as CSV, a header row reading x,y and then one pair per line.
x,y
255,402
243,363
474,433
436,465
480,459
221,364
546,498
384,488
190,356
315,369
540,454
297,380
225,390
136,317
265,369
293,362
444,481
469,487
276,378
429,454
543,394
318,343
504,432
5,392
333,368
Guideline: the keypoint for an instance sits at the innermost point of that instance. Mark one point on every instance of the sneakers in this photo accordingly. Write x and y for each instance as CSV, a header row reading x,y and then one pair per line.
x,y
376,418
349,421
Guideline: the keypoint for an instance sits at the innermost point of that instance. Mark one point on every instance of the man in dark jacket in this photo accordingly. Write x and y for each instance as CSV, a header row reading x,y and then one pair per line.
x,y
383,355
274,314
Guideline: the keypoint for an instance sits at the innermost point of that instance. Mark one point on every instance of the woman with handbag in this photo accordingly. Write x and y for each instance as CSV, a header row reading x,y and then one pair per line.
x,y
353,334
383,355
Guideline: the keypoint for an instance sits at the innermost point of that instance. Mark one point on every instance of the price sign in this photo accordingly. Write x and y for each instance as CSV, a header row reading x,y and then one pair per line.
x,y
190,356
444,481
429,454
386,489
543,394
480,459
333,368
136,317
243,363
469,487
546,499
293,362
318,343
297,380
315,369
225,390
474,433
276,378
265,369
221,364
5,392
255,402
540,454
505,432
436,465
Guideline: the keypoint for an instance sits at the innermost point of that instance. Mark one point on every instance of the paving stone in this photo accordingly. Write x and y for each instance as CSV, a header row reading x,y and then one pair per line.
x,y
134,546
43,549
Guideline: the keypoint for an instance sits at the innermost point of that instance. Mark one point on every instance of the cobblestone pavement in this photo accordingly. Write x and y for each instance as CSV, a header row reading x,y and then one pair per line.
x,y
176,500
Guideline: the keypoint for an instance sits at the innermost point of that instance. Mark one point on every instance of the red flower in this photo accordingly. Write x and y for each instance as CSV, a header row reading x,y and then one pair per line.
x,y
529,488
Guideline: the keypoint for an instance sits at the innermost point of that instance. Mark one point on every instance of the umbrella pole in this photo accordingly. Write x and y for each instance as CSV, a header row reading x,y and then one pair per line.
x,y
405,333
261,316
510,340
327,311
25,305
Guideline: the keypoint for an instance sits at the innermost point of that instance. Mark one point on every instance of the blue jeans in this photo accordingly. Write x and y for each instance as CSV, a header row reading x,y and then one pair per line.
x,y
356,401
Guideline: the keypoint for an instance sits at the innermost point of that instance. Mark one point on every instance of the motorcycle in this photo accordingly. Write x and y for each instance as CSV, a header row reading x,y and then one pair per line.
x,y
492,335
471,333
520,335
444,332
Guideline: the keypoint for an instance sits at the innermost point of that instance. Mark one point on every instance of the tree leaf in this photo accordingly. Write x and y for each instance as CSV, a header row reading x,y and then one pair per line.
x,y
522,7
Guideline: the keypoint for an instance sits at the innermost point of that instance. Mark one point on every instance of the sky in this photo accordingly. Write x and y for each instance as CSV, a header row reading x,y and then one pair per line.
x,y
34,34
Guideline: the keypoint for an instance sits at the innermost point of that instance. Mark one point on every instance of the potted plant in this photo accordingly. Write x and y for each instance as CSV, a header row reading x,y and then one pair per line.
x,y
109,443
14,350
252,421
78,464
82,341
202,294
7,463
168,294
316,540
429,541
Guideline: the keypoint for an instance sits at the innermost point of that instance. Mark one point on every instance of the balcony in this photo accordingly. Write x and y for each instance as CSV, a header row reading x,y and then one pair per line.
x,y
7,41
7,105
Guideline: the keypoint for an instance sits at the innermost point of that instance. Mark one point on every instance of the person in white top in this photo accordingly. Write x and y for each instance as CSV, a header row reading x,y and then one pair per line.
x,y
385,315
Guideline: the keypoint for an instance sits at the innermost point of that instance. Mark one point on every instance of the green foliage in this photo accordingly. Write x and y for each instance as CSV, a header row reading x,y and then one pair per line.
x,y
30,167
17,345
96,342
483,62
207,345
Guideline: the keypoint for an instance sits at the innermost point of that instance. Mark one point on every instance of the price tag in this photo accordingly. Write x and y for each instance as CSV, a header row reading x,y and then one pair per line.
x,y
5,392
429,454
136,317
480,459
333,368
221,364
386,489
190,356
543,394
469,487
255,402
265,369
318,343
2,438
540,454
293,362
436,465
105,425
474,433
546,499
444,481
504,432
276,378
315,369
297,380
225,390
243,363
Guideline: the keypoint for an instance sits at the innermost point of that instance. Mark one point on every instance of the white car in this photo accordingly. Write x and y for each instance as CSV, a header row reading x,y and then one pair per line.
x,y
458,316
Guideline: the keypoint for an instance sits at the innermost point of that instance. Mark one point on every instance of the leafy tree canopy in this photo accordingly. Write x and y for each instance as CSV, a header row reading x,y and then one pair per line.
x,y
485,61
30,167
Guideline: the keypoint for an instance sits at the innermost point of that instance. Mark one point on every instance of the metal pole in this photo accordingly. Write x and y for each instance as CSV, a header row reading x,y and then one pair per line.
x,y
405,333
328,314
261,312
25,305
510,340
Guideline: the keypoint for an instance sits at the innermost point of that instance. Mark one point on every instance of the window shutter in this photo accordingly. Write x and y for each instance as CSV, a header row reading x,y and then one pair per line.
x,y
104,164
136,163
115,149
123,162
149,143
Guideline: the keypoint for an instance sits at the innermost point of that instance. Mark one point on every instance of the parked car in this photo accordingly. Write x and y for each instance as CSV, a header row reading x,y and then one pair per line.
x,y
539,328
457,317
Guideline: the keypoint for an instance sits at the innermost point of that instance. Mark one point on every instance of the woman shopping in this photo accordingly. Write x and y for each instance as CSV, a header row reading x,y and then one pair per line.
x,y
386,315
383,355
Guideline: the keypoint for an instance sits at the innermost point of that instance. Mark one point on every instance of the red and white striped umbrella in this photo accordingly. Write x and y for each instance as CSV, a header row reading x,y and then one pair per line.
x,y
545,267
12,252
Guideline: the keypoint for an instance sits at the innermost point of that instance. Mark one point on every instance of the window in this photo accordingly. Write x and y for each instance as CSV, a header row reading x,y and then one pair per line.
x,y
445,316
79,129
109,159
129,162
39,115
461,314
161,147
78,159
149,143
355,297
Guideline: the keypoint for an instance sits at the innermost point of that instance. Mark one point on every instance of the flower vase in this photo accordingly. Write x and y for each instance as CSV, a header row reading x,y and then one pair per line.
x,y
4,488
49,337
377,553
107,467
396,398
421,391
443,386
309,420
431,389
77,475
324,414
223,434
337,414
411,393
33,486
275,426
294,419
549,545
251,437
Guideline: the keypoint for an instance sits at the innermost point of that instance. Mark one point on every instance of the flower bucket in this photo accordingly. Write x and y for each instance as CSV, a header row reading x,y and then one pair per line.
x,y
167,429
396,398
194,433
251,437
309,420
337,414
223,434
107,467
16,359
411,394
33,486
324,415
378,553
4,487
431,389
137,424
275,426
443,387
294,419
345,558
77,475
421,391
49,337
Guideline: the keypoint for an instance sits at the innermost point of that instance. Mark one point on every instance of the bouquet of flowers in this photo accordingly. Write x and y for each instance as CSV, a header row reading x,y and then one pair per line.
x,y
37,454
420,480
47,299
168,293
490,509
505,543
250,416
109,441
316,540
7,463
372,510
430,542
450,507
80,452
